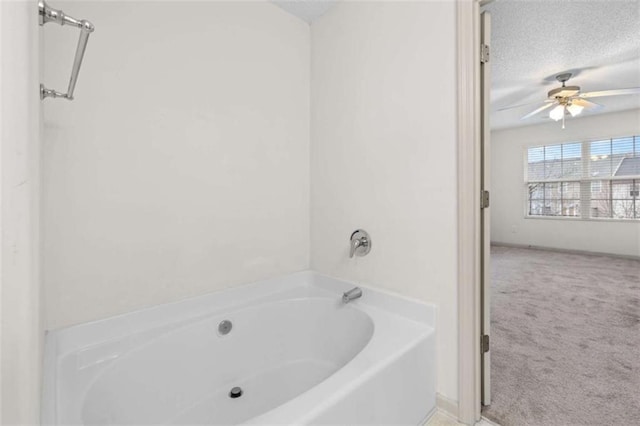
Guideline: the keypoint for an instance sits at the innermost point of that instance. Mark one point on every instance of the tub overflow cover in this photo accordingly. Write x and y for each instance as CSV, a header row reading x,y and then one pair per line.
x,y
236,392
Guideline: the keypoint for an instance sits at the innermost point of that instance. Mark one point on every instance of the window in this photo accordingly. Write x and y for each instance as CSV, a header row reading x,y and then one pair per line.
x,y
594,179
554,173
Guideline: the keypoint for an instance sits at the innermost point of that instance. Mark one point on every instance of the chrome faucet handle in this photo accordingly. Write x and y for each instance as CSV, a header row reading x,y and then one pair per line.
x,y
355,243
360,243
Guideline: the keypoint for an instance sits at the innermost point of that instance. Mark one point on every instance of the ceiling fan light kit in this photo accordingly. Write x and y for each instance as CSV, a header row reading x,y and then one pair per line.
x,y
557,113
567,100
574,109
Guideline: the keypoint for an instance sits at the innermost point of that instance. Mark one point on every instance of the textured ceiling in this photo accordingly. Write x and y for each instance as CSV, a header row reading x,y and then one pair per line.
x,y
533,41
307,10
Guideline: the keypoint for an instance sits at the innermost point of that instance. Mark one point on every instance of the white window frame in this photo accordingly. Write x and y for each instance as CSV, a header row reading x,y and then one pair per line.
x,y
585,182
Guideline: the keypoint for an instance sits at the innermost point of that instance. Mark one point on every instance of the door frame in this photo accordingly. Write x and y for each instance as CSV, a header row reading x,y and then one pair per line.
x,y
22,334
469,157
485,217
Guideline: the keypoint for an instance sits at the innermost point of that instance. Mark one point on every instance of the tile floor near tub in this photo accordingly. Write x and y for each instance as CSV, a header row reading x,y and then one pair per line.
x,y
440,418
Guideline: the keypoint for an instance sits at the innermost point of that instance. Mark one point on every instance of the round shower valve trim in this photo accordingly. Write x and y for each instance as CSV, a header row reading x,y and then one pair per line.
x,y
360,243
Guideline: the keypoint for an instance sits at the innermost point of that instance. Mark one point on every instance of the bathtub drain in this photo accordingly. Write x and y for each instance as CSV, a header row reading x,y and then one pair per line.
x,y
236,392
224,327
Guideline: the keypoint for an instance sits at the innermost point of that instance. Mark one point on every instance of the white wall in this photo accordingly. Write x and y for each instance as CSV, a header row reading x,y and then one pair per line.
x,y
508,223
384,153
21,332
182,166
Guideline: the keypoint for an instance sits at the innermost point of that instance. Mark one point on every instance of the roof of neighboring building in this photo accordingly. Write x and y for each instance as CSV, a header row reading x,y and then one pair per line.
x,y
629,166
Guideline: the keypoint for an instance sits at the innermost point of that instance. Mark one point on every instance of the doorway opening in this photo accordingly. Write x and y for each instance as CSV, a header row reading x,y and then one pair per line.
x,y
560,237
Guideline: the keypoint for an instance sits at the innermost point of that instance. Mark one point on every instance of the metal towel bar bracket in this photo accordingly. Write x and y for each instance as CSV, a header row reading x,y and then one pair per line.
x,y
48,14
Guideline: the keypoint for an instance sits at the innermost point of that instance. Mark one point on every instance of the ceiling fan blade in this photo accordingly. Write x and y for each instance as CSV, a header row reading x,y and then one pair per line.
x,y
586,104
521,105
542,108
614,92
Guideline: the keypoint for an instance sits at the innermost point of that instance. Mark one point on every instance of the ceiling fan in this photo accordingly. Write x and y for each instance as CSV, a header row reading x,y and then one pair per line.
x,y
567,100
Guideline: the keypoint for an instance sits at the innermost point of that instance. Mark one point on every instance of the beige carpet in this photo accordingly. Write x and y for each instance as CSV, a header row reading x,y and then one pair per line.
x,y
565,339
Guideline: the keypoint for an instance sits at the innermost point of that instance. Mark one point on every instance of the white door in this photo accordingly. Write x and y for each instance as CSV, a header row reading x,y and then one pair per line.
x,y
485,79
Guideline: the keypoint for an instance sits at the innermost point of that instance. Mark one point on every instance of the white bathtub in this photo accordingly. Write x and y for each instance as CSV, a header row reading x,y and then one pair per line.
x,y
299,354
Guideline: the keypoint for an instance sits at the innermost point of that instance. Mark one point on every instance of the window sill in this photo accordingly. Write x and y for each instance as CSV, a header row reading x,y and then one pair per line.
x,y
581,219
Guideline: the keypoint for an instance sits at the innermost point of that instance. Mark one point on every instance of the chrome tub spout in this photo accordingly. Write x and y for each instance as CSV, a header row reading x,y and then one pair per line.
x,y
352,294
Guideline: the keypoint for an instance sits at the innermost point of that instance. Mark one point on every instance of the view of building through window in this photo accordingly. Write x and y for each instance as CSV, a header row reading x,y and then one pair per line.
x,y
591,179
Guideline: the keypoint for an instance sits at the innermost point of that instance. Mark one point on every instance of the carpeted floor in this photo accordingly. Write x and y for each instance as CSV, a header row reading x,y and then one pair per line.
x,y
565,341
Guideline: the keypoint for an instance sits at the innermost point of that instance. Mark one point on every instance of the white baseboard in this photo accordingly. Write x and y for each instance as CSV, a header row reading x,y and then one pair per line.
x,y
429,416
486,422
447,405
562,250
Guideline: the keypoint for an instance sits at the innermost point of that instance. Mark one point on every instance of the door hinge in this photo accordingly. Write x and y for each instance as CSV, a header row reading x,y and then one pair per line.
x,y
485,53
485,343
484,199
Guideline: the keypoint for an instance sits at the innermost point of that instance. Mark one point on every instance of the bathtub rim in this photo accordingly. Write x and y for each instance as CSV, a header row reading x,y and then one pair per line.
x,y
263,290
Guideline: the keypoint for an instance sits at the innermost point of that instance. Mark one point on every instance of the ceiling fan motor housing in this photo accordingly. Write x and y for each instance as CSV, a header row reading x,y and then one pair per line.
x,y
564,92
